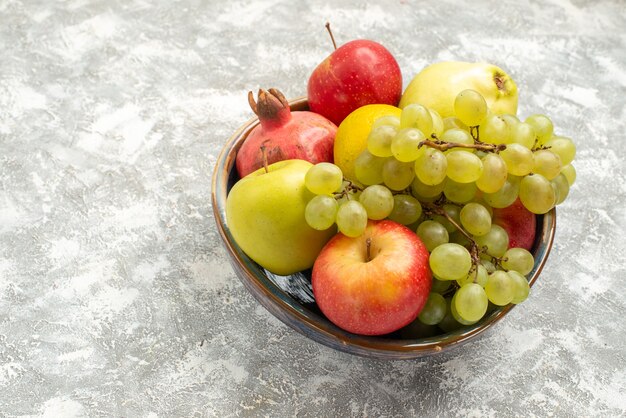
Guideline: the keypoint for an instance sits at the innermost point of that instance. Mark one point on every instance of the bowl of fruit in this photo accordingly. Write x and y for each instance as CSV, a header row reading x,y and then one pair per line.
x,y
391,224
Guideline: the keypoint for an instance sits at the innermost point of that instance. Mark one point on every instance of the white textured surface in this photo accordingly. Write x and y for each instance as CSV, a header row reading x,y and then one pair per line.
x,y
116,298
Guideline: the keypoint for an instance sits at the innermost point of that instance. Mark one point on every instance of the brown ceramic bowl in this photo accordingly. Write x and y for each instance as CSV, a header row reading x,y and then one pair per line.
x,y
291,299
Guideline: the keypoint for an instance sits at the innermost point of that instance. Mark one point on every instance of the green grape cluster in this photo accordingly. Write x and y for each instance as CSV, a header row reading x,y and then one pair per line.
x,y
442,177
474,152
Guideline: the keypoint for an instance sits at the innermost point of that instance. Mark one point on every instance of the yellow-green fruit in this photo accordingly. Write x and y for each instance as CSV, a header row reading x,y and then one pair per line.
x,y
265,215
437,85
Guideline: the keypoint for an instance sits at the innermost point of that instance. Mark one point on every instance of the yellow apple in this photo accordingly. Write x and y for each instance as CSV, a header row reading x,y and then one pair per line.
x,y
437,85
265,215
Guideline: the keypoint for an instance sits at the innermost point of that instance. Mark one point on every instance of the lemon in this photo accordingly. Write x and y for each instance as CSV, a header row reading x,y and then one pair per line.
x,y
351,138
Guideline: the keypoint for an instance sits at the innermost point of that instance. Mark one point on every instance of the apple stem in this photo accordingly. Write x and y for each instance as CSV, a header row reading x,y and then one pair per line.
x,y
444,146
332,38
264,154
368,246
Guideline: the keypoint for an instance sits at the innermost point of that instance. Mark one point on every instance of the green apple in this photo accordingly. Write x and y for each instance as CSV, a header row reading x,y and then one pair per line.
x,y
265,215
437,85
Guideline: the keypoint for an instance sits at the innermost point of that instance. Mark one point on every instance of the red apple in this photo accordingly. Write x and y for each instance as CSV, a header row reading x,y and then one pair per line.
x,y
518,222
358,73
373,284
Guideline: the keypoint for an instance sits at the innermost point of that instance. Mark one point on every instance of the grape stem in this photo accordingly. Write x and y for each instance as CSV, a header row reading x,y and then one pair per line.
x,y
537,147
444,146
347,190
475,133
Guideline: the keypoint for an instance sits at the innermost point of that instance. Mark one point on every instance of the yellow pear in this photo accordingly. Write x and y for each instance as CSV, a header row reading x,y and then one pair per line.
x,y
437,85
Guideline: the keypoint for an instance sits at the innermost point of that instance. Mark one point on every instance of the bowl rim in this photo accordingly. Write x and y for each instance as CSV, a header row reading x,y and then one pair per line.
x,y
316,327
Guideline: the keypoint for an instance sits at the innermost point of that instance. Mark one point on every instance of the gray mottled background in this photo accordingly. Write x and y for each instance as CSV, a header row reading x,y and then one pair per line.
x,y
116,298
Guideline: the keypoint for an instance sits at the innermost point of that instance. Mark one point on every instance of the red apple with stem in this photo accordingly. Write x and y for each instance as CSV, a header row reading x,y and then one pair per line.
x,y
373,284
358,73
518,222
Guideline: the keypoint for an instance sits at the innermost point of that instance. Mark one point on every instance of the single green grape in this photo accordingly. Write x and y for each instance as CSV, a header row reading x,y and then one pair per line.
x,y
546,163
434,310
431,166
320,212
463,167
510,120
488,265
475,218
397,175
563,147
506,195
519,159
438,127
470,302
518,259
440,286
450,261
379,140
494,174
470,107
377,201
524,134
452,122
500,288
432,234
543,127
569,172
561,188
537,194
351,218
521,288
406,209
424,191
417,116
496,241
391,120
455,313
323,178
368,168
459,192
494,130
405,145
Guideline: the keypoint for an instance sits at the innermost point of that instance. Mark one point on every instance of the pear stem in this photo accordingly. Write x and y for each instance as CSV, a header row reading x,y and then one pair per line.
x,y
332,38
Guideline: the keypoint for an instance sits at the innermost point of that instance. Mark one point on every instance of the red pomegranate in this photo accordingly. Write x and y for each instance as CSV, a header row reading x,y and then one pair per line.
x,y
284,135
